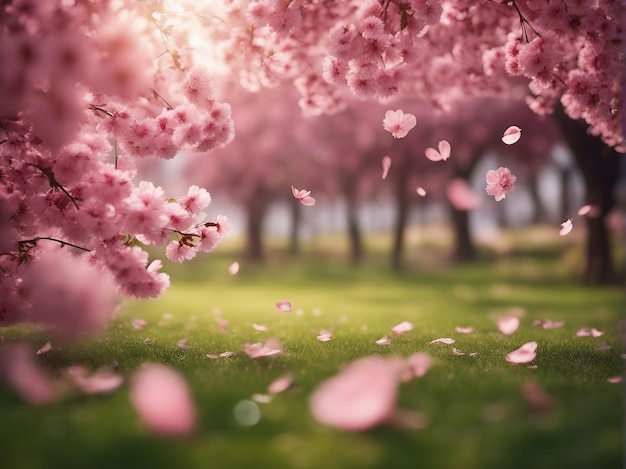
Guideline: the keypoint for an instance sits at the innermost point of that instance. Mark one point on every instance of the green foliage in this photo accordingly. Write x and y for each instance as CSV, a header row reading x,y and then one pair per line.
x,y
477,417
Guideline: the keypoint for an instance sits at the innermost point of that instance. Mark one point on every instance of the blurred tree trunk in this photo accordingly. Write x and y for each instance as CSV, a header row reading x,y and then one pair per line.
x,y
565,179
599,165
294,229
402,210
354,229
256,209
464,249
540,214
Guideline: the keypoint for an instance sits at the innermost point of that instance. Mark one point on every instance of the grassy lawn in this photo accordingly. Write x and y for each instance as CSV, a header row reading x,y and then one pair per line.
x,y
476,414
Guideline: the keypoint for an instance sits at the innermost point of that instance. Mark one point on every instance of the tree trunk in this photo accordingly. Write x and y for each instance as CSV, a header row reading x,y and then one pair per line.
x,y
540,214
599,165
256,209
565,177
402,212
354,230
294,231
463,250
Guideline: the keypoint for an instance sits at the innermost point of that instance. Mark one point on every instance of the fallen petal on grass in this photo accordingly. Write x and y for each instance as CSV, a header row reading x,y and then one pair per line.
x,y
507,325
443,340
404,326
102,381
284,306
280,384
268,349
525,354
384,340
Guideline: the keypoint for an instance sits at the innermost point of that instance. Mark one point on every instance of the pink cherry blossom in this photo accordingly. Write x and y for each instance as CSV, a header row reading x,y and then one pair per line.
x,y
398,123
443,340
360,397
507,325
386,166
45,348
500,182
401,328
270,348
511,135
163,401
442,154
303,196
525,354
566,227
284,306
101,381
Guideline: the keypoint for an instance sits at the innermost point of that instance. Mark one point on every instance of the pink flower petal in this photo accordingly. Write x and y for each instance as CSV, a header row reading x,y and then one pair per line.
x,y
268,349
589,332
308,201
262,398
303,196
456,351
398,123
383,341
442,154
591,210
417,365
461,195
280,384
182,343
360,397
221,355
404,326
507,325
511,135
421,191
500,182
615,379
138,324
443,340
525,354
260,328
538,399
45,348
233,268
464,330
162,398
566,227
324,335
548,323
386,166
284,306
102,381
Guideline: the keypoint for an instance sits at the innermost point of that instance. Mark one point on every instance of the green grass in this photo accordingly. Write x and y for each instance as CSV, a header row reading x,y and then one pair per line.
x,y
476,415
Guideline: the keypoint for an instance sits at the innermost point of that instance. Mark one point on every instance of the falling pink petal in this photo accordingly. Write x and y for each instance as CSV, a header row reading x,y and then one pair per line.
x,y
461,195
303,196
590,210
416,366
615,379
404,326
511,135
500,182
138,324
360,397
383,341
525,354
284,306
566,227
589,332
507,324
260,327
25,376
464,330
602,347
220,355
163,400
398,123
421,191
280,384
386,166
443,340
182,343
102,381
325,335
233,268
270,348
441,154
548,323
45,348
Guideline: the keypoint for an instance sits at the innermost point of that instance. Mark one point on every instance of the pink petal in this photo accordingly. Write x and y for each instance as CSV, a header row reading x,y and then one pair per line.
x,y
421,191
284,306
525,354
261,398
162,398
280,384
602,347
432,154
464,330
308,201
615,379
417,365
386,166
138,324
233,268
260,328
512,135
589,332
268,349
566,227
456,351
182,343
591,210
443,340
404,326
444,149
324,335
360,397
383,341
508,324
221,355
461,195
548,323
45,348
536,396
102,381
